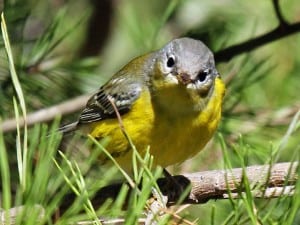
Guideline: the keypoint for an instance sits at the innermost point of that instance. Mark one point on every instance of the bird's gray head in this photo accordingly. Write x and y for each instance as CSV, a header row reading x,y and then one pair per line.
x,y
187,62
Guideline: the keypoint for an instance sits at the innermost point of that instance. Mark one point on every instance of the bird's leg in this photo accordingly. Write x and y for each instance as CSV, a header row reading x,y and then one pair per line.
x,y
173,186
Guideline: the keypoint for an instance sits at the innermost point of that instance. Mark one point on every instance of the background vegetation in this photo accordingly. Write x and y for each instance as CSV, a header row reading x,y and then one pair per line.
x,y
63,49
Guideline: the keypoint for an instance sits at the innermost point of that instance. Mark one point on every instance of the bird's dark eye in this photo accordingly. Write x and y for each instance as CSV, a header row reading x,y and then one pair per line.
x,y
202,75
171,61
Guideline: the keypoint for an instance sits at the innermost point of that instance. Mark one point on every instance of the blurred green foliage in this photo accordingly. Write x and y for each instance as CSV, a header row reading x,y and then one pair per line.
x,y
49,41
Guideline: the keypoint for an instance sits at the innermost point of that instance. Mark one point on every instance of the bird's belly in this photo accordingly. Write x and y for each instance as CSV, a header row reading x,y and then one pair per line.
x,y
171,140
174,143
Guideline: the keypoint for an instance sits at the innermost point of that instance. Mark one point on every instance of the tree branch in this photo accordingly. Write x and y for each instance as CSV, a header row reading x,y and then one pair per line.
x,y
276,6
265,181
278,33
47,114
282,30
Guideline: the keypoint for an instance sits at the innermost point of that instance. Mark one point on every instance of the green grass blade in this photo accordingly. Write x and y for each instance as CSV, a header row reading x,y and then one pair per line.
x,y
5,175
20,97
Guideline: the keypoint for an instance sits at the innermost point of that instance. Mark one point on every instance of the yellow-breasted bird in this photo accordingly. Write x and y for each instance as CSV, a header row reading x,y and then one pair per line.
x,y
169,99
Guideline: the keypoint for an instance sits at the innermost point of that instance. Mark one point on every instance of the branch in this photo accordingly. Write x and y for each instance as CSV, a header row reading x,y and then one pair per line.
x,y
47,114
276,6
265,182
278,33
12,215
262,179
283,29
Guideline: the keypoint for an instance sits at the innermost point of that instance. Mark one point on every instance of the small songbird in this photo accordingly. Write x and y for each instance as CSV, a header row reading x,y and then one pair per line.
x,y
169,99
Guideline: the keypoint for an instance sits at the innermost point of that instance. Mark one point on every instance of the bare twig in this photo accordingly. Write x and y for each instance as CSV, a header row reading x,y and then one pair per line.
x,y
216,184
116,221
247,46
281,20
282,30
272,192
12,215
47,114
265,182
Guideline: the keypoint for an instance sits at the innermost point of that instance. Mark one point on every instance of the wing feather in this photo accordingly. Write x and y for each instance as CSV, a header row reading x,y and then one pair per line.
x,y
123,92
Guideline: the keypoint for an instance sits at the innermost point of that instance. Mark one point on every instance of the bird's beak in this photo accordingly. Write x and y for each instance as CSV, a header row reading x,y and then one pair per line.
x,y
184,78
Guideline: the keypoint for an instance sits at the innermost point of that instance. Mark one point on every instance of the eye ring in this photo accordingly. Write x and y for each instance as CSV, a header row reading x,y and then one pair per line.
x,y
202,75
170,61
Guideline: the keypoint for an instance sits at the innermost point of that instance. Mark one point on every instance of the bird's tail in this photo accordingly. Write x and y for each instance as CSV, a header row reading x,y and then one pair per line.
x,y
68,128
74,143
67,132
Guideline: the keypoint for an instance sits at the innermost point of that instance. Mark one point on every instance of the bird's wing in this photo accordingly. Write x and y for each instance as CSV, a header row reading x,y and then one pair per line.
x,y
122,90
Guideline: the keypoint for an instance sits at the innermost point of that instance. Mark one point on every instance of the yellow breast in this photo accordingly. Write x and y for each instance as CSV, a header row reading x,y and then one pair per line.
x,y
179,138
172,138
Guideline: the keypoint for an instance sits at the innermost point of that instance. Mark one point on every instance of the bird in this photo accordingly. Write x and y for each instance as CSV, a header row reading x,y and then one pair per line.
x,y
169,102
